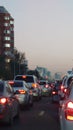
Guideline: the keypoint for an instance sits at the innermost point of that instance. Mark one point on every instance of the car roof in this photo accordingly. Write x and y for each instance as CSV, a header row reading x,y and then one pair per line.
x,y
25,75
66,79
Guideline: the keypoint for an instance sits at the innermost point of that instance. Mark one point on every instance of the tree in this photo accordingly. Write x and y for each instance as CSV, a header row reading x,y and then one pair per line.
x,y
16,65
34,72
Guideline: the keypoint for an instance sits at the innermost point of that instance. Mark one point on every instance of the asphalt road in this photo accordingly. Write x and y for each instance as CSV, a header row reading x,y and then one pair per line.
x,y
42,116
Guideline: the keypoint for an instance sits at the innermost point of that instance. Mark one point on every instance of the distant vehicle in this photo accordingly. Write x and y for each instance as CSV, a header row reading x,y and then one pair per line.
x,y
32,81
66,109
46,89
55,92
22,92
9,105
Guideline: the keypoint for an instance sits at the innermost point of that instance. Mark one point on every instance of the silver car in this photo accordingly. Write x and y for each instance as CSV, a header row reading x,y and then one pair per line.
x,y
33,84
9,105
66,109
22,92
65,84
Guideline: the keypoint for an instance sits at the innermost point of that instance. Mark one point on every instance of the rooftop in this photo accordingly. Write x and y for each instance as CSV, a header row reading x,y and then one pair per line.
x,y
3,10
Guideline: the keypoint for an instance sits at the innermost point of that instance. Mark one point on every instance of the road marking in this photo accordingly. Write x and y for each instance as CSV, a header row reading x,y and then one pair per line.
x,y
41,113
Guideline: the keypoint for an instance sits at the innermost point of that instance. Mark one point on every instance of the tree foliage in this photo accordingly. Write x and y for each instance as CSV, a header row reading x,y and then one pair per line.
x,y
8,70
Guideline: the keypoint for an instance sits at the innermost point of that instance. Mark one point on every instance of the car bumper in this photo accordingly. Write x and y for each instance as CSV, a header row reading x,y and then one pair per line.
x,y
22,99
66,125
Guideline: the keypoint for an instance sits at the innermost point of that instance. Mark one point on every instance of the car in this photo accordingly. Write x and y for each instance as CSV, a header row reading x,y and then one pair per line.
x,y
55,92
22,92
9,105
32,81
66,109
46,89
65,84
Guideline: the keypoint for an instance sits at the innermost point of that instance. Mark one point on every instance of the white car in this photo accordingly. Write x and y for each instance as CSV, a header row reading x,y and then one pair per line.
x,y
22,92
66,109
33,84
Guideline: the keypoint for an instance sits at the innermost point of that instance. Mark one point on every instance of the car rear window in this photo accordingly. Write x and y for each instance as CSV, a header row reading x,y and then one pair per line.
x,y
28,79
42,83
1,87
17,84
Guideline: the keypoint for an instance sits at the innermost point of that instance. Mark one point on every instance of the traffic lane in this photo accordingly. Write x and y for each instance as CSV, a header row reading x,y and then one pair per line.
x,y
43,115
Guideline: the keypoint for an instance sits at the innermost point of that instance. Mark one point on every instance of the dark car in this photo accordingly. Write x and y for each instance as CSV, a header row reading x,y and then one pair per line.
x,y
45,87
9,105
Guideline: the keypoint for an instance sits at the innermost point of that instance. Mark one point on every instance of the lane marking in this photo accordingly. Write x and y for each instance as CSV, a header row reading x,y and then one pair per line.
x,y
41,113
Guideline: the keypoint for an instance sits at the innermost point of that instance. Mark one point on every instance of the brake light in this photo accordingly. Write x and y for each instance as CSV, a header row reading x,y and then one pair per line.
x,y
11,82
62,87
3,100
34,85
22,91
70,105
69,111
53,92
24,76
46,86
65,90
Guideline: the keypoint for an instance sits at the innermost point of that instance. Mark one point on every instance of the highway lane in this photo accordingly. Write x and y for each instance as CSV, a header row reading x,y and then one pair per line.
x,y
42,116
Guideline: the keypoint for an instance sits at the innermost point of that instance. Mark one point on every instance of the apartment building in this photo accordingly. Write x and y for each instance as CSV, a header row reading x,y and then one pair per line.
x,y
6,33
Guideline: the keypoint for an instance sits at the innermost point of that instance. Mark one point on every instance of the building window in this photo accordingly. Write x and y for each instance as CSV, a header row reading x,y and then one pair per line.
x,y
6,18
11,22
7,52
7,45
11,29
7,31
6,24
6,38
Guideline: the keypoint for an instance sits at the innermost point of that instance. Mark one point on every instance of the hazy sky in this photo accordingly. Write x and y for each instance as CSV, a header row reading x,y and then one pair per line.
x,y
44,31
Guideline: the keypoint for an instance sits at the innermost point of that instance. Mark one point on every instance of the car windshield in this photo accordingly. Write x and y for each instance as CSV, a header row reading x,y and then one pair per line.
x,y
17,84
1,87
28,79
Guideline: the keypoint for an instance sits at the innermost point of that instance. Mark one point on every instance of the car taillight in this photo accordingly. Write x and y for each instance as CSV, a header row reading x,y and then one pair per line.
x,y
34,85
24,76
65,90
62,87
3,100
46,86
22,91
69,111
11,82
53,92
